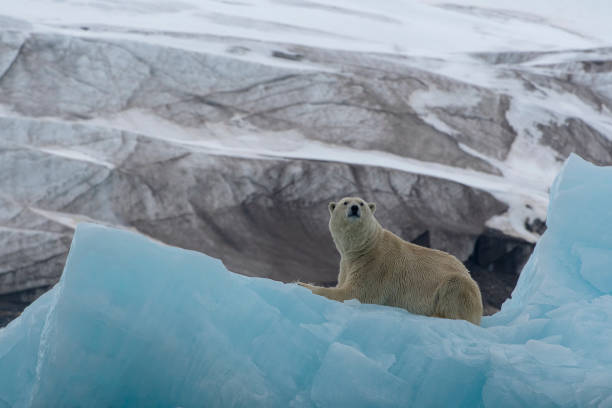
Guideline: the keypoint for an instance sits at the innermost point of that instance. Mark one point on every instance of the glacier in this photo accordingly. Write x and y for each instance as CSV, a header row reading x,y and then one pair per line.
x,y
173,118
134,322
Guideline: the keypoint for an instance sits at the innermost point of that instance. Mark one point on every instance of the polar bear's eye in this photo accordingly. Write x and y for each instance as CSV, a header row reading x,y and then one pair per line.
x,y
346,203
361,204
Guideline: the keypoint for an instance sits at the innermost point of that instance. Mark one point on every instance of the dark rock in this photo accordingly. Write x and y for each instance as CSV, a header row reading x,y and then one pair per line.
x,y
288,56
496,264
11,305
423,240
536,225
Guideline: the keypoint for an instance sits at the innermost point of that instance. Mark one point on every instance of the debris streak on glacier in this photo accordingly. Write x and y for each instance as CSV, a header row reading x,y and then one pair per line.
x,y
137,323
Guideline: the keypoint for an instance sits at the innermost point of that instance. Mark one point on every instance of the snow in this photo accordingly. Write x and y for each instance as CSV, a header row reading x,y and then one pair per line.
x,y
135,322
69,220
75,155
415,33
391,26
251,142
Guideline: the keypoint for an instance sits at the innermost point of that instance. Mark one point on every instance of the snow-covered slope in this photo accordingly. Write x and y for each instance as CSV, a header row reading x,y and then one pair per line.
x,y
206,124
399,27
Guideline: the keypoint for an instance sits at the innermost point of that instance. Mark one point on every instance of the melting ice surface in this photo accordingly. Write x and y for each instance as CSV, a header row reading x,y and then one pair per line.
x,y
136,323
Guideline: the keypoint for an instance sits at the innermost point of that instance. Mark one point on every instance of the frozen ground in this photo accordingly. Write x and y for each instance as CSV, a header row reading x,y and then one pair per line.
x,y
135,322
138,113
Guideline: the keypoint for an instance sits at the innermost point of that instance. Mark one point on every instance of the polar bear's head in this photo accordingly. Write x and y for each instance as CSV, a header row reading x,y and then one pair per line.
x,y
352,224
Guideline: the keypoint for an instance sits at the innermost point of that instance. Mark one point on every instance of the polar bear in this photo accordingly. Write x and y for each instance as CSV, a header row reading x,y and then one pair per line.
x,y
377,266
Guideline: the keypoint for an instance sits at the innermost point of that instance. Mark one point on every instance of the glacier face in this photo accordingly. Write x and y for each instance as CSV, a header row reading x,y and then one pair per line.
x,y
141,114
135,322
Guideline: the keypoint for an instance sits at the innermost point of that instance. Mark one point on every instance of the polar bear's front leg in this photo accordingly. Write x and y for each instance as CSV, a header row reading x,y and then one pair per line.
x,y
339,294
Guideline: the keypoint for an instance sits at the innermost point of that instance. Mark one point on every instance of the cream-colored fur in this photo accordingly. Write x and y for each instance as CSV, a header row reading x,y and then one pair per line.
x,y
377,266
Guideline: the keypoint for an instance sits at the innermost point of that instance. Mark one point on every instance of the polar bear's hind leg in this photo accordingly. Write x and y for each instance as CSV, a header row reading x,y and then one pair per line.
x,y
458,298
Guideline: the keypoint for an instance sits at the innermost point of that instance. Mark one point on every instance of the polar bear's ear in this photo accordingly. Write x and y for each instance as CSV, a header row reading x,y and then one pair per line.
x,y
332,206
372,207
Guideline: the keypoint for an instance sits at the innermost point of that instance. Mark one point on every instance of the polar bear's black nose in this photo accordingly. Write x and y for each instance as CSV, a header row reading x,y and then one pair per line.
x,y
354,209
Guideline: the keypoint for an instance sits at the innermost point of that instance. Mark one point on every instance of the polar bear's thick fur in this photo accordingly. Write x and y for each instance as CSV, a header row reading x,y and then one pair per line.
x,y
377,266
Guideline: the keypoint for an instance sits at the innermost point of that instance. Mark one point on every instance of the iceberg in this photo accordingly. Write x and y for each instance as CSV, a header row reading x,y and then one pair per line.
x,y
133,322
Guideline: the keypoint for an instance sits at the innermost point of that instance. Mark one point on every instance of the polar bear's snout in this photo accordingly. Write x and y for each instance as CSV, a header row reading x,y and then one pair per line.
x,y
354,211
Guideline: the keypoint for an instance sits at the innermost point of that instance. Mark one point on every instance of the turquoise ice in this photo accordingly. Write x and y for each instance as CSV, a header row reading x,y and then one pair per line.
x,y
137,323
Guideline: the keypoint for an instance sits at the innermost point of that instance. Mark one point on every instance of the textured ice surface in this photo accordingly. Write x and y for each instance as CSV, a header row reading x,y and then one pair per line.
x,y
136,323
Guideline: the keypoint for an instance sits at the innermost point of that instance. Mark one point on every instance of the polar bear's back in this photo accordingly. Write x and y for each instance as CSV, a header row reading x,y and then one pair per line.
x,y
413,273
